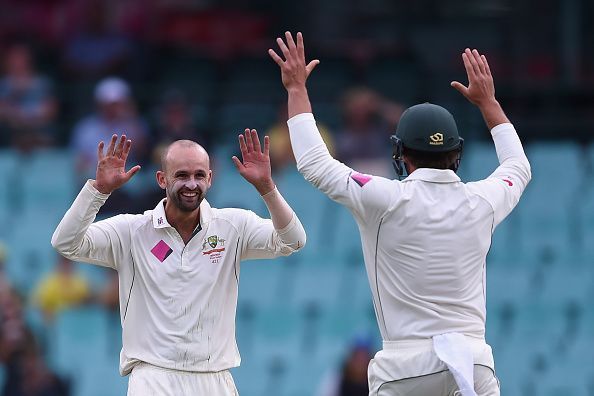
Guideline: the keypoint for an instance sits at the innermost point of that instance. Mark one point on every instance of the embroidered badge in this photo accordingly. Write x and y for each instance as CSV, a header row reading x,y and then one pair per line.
x,y
215,253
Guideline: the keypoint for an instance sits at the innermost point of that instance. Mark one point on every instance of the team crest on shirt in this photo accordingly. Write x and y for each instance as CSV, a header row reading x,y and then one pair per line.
x,y
212,241
213,246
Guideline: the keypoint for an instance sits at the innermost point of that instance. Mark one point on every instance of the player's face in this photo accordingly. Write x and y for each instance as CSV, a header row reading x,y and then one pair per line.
x,y
187,177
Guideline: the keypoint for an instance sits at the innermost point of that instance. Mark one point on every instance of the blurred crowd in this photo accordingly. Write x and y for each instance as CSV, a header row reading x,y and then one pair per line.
x,y
104,54
75,72
23,348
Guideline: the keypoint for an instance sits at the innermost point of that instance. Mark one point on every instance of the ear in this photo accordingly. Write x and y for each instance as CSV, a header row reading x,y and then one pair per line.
x,y
161,179
209,181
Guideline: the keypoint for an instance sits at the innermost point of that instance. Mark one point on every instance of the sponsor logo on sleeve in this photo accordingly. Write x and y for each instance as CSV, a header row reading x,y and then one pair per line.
x,y
360,178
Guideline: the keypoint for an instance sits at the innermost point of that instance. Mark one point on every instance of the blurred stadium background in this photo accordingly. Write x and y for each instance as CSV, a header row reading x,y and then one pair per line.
x,y
199,68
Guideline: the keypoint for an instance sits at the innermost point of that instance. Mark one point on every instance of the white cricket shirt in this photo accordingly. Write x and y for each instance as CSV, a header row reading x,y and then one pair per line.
x,y
177,301
425,239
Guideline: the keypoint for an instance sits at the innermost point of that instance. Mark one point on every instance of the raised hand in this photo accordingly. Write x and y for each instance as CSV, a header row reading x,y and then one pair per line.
x,y
481,89
111,167
294,70
256,163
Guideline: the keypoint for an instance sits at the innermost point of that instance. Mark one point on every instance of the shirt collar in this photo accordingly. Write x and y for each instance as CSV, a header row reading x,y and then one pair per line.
x,y
160,220
433,175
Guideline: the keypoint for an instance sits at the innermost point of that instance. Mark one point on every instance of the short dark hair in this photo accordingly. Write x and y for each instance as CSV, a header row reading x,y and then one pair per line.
x,y
424,159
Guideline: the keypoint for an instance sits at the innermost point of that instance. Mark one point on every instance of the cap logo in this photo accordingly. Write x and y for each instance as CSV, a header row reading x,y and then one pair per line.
x,y
436,139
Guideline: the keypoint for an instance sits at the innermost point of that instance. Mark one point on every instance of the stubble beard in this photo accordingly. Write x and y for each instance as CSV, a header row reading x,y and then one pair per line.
x,y
180,203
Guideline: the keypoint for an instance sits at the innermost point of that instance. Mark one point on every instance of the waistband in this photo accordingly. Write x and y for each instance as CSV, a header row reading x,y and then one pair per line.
x,y
148,366
426,343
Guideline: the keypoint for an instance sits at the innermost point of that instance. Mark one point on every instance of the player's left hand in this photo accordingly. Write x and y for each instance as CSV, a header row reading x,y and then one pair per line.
x,y
294,70
255,167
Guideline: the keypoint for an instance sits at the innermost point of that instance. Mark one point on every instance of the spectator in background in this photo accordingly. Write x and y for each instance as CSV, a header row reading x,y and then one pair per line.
x,y
27,105
61,290
116,113
175,121
28,375
5,286
363,138
352,378
98,50
12,326
281,154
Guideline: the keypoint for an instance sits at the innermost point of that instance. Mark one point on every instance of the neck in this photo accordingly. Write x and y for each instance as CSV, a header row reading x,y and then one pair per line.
x,y
409,168
184,222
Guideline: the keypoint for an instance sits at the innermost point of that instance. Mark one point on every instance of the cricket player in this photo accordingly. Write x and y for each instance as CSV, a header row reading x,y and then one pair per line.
x,y
179,264
425,239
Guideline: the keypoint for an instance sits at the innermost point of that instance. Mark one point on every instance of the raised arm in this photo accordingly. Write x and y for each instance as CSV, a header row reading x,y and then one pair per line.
x,y
335,179
294,72
506,184
77,237
255,168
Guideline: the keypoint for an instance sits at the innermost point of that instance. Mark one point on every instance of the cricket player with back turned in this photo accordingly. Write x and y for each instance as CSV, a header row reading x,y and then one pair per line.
x,y
425,239
178,265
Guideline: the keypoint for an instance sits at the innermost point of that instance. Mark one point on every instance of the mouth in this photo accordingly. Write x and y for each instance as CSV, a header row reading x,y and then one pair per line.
x,y
189,194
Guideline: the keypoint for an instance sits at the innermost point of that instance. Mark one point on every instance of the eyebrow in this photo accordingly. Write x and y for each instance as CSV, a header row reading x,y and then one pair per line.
x,y
181,172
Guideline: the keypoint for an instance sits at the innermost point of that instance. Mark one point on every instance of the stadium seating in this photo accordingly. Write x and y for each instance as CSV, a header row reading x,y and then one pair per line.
x,y
296,316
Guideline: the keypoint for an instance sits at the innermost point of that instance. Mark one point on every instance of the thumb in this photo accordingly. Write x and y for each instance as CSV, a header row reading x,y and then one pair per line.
x,y
132,172
459,87
311,65
237,163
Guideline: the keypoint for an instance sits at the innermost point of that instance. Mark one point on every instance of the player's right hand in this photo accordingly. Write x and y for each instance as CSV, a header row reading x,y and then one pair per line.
x,y
111,167
481,89
294,70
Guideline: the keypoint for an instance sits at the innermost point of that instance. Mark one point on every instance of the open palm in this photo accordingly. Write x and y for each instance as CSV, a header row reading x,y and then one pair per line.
x,y
111,167
255,164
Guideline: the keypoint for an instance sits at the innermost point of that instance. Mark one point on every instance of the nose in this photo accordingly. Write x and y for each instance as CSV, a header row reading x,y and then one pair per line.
x,y
191,184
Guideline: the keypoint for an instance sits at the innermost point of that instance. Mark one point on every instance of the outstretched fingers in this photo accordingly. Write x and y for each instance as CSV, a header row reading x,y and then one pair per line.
x,y
112,143
487,68
120,146
266,146
242,146
290,41
126,149
256,140
100,147
283,47
248,141
478,61
466,58
300,46
277,59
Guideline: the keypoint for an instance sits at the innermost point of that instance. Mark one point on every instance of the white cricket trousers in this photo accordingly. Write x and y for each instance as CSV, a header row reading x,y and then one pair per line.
x,y
438,384
148,380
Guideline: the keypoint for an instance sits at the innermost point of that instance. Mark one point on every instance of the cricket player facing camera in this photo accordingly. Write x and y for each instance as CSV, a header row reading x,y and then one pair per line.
x,y
178,265
425,239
